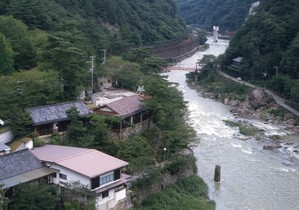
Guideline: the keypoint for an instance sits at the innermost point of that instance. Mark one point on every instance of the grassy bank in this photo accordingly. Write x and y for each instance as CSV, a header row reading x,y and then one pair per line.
x,y
187,193
213,82
246,130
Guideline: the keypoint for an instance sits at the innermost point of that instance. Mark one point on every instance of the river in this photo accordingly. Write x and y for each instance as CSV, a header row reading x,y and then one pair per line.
x,y
251,178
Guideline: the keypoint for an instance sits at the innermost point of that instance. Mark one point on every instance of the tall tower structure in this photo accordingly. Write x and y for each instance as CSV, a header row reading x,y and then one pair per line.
x,y
215,33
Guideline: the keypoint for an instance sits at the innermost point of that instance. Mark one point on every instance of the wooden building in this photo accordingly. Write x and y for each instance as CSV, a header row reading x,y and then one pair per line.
x,y
131,113
53,118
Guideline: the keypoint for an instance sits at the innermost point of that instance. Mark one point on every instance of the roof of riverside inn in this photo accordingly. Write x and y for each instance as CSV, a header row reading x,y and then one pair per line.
x,y
55,112
88,162
127,105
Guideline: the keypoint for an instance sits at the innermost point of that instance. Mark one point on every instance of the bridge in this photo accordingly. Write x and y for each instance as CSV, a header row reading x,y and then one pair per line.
x,y
180,68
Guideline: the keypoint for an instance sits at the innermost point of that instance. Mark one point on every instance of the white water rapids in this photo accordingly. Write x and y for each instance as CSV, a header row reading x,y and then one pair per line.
x,y
251,178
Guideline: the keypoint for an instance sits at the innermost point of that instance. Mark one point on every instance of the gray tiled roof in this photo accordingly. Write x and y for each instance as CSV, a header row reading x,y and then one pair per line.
x,y
26,177
55,112
17,163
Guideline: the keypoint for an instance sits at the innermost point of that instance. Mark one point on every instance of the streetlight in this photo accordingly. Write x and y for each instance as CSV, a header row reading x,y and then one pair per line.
x,y
165,150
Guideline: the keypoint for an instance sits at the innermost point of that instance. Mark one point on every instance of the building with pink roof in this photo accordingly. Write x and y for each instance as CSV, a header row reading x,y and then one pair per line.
x,y
99,172
133,118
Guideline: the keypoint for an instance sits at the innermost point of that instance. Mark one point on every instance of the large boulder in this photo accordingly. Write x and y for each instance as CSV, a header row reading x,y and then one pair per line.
x,y
258,98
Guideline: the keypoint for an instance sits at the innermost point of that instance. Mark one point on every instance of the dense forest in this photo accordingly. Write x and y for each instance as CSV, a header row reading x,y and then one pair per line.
x,y
45,49
45,45
229,15
268,44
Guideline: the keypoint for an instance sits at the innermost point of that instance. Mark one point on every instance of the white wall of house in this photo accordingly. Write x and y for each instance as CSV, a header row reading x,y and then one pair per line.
x,y
6,137
121,194
115,194
71,176
25,145
112,200
105,203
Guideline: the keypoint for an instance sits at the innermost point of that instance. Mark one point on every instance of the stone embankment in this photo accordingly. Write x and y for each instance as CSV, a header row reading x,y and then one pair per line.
x,y
257,106
177,49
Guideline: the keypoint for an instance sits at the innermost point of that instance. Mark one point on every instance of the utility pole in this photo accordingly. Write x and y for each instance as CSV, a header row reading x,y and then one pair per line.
x,y
104,59
92,58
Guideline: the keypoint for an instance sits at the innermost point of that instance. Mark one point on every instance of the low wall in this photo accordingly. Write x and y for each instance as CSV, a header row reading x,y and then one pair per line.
x,y
6,136
176,49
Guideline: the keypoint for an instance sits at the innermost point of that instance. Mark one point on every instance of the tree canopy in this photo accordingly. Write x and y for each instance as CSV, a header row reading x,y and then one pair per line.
x,y
228,14
268,42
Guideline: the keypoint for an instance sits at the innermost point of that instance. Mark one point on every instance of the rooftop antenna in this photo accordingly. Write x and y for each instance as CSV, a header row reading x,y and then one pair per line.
x,y
92,58
140,90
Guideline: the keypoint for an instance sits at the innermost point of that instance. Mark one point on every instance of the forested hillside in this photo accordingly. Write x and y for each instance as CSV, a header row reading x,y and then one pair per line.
x,y
228,14
57,37
269,45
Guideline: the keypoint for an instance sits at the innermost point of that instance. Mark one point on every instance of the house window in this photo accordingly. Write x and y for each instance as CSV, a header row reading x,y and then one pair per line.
x,y
95,182
105,194
63,176
106,178
117,174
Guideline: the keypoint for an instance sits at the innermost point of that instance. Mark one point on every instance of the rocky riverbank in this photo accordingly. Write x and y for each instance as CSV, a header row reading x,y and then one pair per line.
x,y
260,106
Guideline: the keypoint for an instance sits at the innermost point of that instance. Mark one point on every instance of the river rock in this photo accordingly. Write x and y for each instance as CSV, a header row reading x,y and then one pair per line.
x,y
234,102
272,146
226,101
258,98
208,95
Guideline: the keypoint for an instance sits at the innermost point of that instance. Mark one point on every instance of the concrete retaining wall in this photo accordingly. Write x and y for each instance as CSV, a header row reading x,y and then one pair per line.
x,y
176,49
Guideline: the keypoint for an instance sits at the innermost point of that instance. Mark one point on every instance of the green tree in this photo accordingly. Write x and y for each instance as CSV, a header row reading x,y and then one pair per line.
x,y
3,199
201,37
75,196
137,151
127,74
6,56
71,64
166,101
34,196
26,89
290,63
17,34
32,12
20,124
99,130
77,132
167,110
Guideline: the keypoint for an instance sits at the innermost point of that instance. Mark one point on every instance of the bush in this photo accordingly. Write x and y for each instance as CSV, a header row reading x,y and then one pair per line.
x,y
187,193
246,130
180,163
277,112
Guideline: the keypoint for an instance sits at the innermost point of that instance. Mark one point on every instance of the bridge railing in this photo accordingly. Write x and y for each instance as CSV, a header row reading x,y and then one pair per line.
x,y
180,68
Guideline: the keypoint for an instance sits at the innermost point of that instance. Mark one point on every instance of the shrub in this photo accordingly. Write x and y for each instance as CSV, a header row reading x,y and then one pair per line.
x,y
246,130
187,193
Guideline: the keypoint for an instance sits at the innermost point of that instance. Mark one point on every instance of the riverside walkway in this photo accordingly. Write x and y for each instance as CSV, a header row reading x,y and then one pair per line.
x,y
279,100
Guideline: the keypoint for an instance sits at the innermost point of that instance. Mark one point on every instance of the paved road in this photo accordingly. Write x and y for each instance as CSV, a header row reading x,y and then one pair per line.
x,y
280,101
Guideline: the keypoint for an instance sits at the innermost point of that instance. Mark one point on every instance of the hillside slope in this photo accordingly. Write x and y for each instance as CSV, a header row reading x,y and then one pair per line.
x,y
269,45
228,14
93,25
